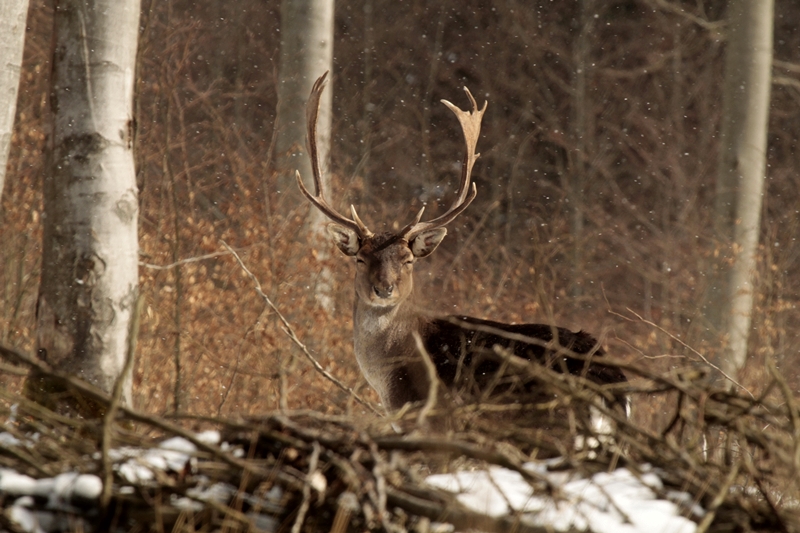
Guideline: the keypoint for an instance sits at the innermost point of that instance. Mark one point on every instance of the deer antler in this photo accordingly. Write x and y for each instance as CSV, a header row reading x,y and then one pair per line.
x,y
312,112
471,126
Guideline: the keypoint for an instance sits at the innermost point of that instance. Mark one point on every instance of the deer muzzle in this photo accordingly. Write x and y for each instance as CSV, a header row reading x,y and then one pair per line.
x,y
384,291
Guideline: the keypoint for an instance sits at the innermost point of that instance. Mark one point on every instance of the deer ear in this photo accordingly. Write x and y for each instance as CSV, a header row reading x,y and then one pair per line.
x,y
344,238
426,242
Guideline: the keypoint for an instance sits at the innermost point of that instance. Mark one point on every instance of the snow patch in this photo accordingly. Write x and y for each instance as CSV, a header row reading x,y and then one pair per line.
x,y
172,455
613,502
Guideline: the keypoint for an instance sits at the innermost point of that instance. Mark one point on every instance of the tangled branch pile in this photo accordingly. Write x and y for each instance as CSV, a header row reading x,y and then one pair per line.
x,y
735,455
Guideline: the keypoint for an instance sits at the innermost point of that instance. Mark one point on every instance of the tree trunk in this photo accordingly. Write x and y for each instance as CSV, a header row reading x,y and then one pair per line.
x,y
740,178
13,14
90,253
306,53
583,124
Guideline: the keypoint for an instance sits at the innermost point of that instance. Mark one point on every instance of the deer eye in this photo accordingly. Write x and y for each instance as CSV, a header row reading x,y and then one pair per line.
x,y
360,261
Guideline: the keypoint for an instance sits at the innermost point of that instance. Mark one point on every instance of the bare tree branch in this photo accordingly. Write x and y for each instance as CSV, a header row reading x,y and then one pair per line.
x,y
289,330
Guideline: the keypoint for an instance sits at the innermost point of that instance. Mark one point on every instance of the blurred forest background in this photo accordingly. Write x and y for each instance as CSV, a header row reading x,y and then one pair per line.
x,y
595,185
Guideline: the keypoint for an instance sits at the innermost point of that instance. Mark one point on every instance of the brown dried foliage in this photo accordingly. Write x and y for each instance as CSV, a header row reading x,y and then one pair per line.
x,y
205,117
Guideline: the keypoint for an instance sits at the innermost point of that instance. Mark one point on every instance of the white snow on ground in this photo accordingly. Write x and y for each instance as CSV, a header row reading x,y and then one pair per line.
x,y
171,455
617,502
614,502
62,493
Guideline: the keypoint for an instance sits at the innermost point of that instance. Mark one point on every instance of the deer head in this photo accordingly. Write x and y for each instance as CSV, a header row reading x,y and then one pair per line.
x,y
385,261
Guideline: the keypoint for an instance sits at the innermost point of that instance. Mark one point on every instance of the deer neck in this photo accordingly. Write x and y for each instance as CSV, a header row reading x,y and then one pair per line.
x,y
383,340
379,330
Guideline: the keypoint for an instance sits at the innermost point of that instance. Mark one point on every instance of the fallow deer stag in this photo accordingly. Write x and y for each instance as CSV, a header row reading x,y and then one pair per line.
x,y
386,320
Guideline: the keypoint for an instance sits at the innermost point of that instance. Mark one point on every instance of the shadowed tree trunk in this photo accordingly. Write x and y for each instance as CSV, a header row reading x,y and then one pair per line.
x,y
740,177
90,264
13,14
583,124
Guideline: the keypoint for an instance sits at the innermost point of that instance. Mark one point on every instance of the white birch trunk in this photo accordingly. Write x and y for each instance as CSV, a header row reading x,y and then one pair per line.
x,y
90,264
306,53
13,14
748,69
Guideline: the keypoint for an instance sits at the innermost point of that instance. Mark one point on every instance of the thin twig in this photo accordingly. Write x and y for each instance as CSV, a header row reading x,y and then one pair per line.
x,y
461,517
433,379
766,492
682,343
711,512
710,25
116,397
98,395
378,472
449,445
312,472
182,261
794,416
287,328
786,65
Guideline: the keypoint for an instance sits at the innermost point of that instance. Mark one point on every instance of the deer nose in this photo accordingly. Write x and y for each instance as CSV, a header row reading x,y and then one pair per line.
x,y
383,292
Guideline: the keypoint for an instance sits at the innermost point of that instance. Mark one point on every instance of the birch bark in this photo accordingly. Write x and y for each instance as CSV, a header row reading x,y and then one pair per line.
x,y
13,14
90,264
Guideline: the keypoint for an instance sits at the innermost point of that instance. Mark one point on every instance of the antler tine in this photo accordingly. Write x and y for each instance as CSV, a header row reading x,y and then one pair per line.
x,y
471,127
317,199
362,228
406,230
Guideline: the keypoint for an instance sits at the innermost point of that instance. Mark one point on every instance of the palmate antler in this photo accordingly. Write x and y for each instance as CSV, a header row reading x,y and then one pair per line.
x,y
312,111
470,125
